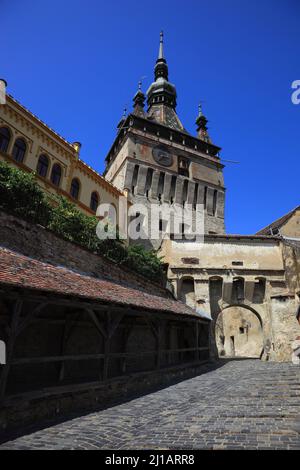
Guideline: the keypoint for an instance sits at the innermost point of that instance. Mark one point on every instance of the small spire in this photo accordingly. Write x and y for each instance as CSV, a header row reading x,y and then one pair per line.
x,y
161,46
139,101
200,110
123,118
201,122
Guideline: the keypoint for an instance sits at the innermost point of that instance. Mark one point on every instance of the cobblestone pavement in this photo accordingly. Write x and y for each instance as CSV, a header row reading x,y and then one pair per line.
x,y
242,404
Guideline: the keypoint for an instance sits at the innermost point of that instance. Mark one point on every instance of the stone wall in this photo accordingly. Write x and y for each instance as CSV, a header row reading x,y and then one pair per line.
x,y
259,274
42,244
87,397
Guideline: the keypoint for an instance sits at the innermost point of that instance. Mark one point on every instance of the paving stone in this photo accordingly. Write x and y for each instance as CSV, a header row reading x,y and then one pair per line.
x,y
242,404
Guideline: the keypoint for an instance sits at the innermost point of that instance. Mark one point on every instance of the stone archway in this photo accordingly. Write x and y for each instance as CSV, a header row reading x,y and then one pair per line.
x,y
239,332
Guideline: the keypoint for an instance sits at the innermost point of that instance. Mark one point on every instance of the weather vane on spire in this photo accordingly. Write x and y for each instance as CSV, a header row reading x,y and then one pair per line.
x,y
161,46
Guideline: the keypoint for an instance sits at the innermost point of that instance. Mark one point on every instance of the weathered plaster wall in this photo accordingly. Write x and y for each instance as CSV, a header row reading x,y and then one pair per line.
x,y
269,273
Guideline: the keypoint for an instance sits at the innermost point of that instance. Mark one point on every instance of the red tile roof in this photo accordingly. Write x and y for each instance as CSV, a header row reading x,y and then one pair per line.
x,y
20,271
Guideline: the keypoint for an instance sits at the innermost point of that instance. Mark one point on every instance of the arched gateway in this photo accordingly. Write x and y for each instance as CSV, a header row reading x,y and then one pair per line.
x,y
239,332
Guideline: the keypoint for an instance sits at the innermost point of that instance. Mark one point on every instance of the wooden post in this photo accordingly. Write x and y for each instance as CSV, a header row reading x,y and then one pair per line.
x,y
106,358
112,325
159,333
126,335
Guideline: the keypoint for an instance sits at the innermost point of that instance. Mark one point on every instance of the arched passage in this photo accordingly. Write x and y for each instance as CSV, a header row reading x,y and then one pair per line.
x,y
239,332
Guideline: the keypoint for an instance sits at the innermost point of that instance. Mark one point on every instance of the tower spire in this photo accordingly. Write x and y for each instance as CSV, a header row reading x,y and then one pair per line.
x,y
161,46
161,68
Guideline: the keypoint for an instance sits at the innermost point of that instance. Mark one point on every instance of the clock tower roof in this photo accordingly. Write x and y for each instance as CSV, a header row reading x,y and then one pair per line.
x,y
162,95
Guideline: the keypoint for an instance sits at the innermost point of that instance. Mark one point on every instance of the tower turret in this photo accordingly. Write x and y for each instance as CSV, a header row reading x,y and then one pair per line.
x,y
201,122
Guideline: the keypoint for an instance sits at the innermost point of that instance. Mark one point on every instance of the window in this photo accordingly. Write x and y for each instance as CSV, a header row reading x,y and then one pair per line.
x,y
42,166
205,197
215,201
135,177
238,289
161,185
4,139
187,292
56,174
94,201
195,196
75,187
185,192
183,167
173,189
149,178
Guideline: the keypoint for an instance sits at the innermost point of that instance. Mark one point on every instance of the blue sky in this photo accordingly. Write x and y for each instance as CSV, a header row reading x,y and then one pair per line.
x,y
76,64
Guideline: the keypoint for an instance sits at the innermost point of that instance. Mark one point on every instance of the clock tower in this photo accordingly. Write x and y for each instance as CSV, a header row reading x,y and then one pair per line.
x,y
156,160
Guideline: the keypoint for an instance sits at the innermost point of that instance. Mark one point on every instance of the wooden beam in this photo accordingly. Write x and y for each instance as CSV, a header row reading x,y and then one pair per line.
x,y
96,322
26,321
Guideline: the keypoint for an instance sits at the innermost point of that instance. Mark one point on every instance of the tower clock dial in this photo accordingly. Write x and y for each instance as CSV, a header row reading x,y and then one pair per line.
x,y
162,156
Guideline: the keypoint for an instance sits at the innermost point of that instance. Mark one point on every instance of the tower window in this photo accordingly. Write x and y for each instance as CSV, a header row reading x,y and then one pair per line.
x,y
42,166
215,201
19,150
185,191
75,187
196,195
148,181
205,197
173,188
56,174
94,201
4,139
161,184
135,177
183,167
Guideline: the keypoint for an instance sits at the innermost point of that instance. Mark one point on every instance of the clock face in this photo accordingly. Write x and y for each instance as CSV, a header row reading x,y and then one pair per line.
x,y
162,156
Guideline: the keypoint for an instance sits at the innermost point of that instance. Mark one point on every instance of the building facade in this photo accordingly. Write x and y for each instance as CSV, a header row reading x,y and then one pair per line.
x,y
248,285
29,144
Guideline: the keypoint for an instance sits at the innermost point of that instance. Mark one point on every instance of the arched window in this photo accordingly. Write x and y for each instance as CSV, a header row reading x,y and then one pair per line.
x,y
75,187
4,139
56,174
187,292
238,289
94,201
42,166
215,202
19,150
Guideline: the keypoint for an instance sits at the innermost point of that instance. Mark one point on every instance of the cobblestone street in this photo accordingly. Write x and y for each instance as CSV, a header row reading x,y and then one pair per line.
x,y
242,404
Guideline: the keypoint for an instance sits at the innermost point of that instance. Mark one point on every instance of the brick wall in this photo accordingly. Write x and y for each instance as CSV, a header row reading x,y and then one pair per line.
x,y
42,244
